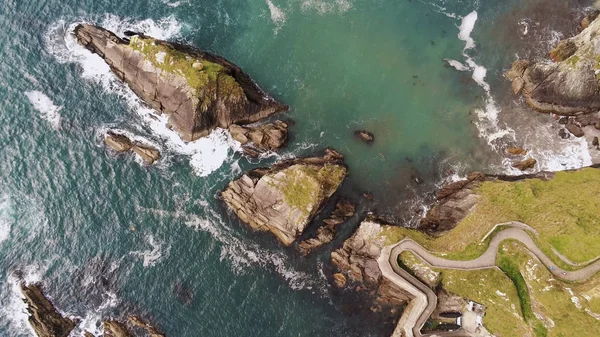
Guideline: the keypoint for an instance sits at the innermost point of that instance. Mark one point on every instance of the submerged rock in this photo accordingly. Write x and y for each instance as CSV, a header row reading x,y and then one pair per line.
x,y
284,199
326,233
121,143
261,138
198,90
45,320
568,86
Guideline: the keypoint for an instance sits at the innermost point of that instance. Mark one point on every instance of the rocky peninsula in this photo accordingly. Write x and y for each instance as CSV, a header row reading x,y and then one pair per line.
x,y
199,91
284,198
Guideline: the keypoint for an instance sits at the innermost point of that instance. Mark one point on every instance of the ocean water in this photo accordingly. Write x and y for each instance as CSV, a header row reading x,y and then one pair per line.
x,y
109,236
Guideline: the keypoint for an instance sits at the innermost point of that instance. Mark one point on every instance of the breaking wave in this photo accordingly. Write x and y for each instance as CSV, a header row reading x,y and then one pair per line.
x,y
47,109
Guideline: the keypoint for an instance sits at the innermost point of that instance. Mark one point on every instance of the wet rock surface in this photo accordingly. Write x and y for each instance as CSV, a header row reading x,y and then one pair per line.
x,y
284,198
121,143
44,318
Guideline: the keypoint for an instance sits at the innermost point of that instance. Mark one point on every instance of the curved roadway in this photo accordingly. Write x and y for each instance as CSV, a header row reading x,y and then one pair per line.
x,y
425,300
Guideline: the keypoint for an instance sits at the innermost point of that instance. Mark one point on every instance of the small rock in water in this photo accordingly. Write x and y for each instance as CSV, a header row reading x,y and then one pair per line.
x,y
526,164
364,135
595,142
340,280
563,120
516,151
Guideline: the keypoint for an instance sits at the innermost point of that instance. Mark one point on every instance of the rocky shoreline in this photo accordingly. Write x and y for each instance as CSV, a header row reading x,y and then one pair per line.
x,y
200,91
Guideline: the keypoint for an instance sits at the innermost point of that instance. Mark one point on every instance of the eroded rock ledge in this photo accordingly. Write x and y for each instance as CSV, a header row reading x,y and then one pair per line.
x,y
198,90
326,233
284,199
121,144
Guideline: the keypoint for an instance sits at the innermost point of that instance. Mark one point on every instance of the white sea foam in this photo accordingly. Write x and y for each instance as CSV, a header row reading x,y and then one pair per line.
x,y
206,154
12,306
6,217
46,107
466,28
277,15
153,255
457,65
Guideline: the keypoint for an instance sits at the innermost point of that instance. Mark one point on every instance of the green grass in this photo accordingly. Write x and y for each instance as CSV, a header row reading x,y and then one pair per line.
x,y
552,299
303,186
208,80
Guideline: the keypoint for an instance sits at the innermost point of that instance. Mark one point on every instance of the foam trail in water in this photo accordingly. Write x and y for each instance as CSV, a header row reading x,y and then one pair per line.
x,y
206,154
487,123
152,256
6,217
46,107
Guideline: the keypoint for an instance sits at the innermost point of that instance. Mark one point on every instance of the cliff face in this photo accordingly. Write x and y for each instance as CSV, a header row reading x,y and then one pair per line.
x,y
284,199
570,83
198,90
45,320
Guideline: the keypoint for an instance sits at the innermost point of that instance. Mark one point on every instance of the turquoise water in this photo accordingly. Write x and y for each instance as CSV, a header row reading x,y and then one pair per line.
x,y
68,208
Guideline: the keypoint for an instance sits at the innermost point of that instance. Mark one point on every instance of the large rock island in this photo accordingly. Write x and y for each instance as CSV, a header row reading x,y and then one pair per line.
x,y
199,91
284,199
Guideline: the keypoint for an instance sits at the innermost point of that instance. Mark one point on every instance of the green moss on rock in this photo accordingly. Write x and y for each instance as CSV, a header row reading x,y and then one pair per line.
x,y
207,80
304,186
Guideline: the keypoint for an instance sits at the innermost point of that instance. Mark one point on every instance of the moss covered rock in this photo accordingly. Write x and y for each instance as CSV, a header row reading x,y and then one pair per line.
x,y
198,90
285,198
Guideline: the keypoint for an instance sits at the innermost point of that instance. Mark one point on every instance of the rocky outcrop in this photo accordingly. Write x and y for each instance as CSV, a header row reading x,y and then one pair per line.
x,y
199,91
45,320
516,151
284,199
260,139
326,233
120,144
568,86
454,202
526,164
357,259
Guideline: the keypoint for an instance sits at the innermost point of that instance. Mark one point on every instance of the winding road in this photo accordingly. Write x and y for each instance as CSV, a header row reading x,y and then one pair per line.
x,y
425,300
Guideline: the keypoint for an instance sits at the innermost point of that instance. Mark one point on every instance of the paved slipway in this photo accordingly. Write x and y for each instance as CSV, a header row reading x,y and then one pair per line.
x,y
425,300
